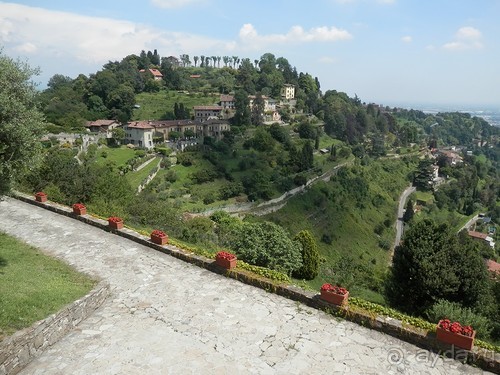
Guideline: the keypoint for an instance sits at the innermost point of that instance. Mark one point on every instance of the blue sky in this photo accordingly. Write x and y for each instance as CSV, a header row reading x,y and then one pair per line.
x,y
392,52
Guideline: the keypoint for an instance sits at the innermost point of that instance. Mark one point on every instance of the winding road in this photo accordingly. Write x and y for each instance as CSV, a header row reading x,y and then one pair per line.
x,y
399,221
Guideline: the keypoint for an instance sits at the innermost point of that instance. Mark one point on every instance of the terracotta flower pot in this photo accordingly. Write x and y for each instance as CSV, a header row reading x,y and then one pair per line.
x,y
41,198
115,224
457,339
226,263
159,240
80,211
334,298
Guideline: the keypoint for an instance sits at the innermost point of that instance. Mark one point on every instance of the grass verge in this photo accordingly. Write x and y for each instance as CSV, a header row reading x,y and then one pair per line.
x,y
33,285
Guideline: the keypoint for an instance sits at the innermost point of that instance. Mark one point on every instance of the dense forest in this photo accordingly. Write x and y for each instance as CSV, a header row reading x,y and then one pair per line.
x,y
340,229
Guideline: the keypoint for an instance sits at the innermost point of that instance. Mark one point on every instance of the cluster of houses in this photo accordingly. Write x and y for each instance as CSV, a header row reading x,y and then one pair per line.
x,y
142,133
208,120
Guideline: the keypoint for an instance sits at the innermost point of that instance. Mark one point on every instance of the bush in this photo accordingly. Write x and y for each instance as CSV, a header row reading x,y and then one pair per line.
x,y
310,256
455,312
267,245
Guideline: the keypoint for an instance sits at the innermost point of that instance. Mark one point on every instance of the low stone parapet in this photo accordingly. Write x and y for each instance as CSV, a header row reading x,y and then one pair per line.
x,y
22,347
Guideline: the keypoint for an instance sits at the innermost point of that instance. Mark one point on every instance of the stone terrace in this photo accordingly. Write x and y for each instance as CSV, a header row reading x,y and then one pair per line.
x,y
165,316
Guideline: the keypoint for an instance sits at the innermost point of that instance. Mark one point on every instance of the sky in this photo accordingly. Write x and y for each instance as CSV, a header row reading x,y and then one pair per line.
x,y
390,52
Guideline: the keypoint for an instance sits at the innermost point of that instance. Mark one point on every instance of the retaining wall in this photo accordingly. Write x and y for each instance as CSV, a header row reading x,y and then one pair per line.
x,y
22,347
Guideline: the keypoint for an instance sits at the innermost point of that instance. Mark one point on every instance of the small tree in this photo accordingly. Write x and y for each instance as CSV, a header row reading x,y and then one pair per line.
x,y
408,215
310,256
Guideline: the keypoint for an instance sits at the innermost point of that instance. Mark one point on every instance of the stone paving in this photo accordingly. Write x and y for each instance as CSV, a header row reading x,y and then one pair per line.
x,y
165,316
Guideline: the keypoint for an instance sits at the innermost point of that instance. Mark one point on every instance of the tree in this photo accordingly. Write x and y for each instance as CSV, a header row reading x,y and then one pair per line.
x,y
195,58
258,110
242,115
424,175
21,124
408,215
310,256
432,264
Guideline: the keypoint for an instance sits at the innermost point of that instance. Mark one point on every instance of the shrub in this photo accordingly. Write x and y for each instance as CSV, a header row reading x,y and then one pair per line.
x,y
310,256
266,244
455,312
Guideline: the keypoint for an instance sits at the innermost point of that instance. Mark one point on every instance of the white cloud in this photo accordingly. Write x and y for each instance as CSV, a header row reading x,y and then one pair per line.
x,y
407,39
26,48
328,60
250,37
468,33
170,4
466,38
89,39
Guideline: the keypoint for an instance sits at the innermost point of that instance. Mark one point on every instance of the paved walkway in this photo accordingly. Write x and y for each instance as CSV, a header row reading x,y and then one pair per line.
x,y
169,317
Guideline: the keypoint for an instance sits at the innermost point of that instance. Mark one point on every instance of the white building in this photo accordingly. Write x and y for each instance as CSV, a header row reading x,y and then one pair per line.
x,y
140,134
288,91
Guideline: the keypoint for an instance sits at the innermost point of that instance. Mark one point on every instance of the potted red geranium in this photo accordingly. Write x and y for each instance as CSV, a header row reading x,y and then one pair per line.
x,y
225,260
159,237
455,334
334,294
79,209
115,222
41,197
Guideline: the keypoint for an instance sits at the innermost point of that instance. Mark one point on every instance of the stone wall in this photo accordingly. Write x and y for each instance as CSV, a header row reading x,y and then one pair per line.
x,y
22,347
485,359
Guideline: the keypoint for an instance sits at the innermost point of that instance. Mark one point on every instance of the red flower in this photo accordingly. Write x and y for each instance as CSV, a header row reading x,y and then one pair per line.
x,y
40,194
456,327
444,324
334,289
115,219
158,233
225,255
79,206
467,331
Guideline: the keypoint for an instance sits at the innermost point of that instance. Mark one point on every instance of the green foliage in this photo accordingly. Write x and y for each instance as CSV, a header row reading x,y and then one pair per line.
x,y
20,122
408,214
262,244
455,312
432,264
265,272
310,256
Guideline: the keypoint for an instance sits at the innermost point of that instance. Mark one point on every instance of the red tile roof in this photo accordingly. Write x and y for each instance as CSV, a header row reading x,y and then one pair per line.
x,y
481,236
154,72
227,98
493,266
140,125
100,123
195,76
207,108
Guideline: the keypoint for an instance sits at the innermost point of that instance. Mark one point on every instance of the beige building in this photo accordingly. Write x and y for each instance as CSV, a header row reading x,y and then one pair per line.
x,y
288,92
102,126
207,112
209,128
140,134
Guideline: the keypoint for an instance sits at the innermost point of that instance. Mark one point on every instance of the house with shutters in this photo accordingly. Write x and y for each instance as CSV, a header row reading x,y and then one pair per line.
x,y
102,127
140,134
157,76
207,112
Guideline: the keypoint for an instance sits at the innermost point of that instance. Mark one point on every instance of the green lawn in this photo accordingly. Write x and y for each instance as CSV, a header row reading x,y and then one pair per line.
x,y
34,285
160,105
118,155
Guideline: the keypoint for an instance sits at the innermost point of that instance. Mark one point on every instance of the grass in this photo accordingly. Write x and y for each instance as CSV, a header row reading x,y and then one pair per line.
x,y
34,285
120,156
135,178
160,105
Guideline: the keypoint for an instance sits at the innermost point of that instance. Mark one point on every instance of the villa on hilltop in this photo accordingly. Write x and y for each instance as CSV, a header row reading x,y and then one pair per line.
x,y
157,76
